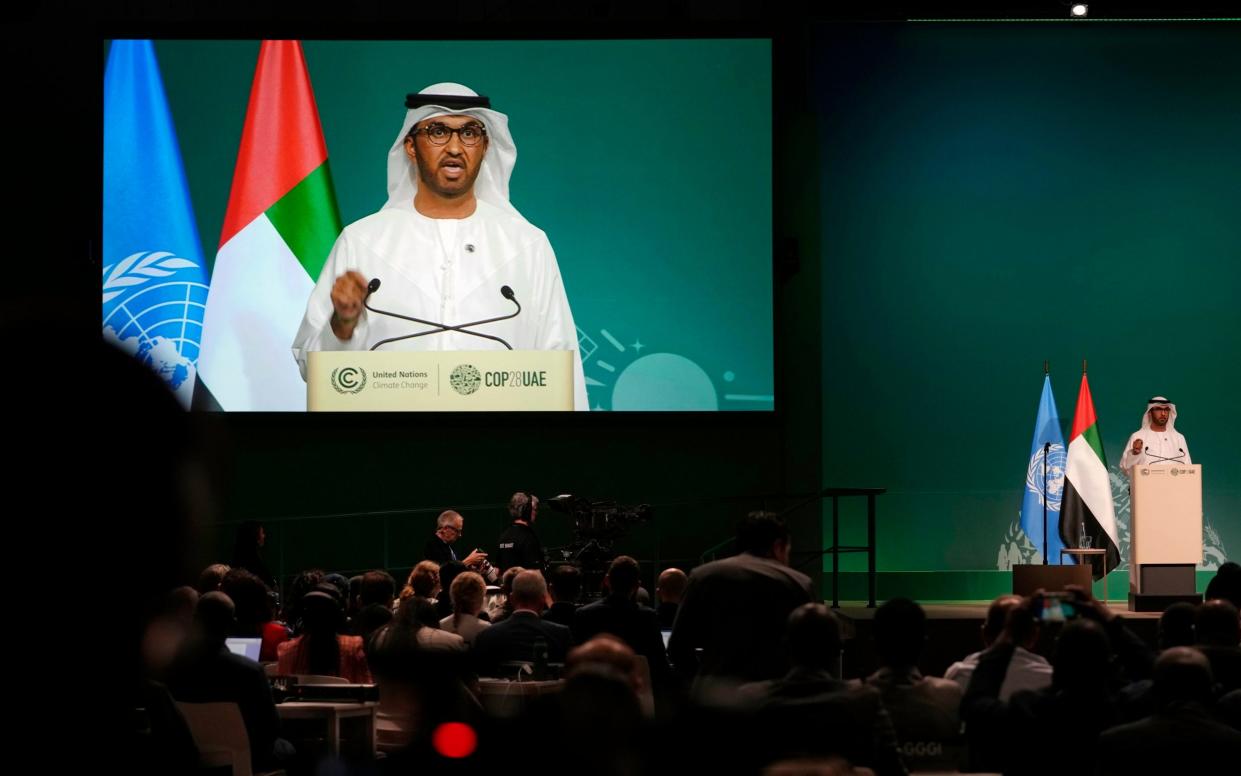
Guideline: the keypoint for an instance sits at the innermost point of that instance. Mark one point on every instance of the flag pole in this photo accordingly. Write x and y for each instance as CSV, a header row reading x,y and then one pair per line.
x,y
1046,452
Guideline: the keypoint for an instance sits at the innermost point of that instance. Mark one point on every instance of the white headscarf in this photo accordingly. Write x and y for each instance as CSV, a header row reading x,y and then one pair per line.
x,y
1159,401
491,186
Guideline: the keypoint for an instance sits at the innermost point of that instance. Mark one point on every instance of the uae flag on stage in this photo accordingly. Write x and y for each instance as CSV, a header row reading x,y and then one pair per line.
x,y
1087,501
280,225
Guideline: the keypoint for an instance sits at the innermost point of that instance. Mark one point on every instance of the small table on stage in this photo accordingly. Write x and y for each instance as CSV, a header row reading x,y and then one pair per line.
x,y
332,714
869,548
1084,554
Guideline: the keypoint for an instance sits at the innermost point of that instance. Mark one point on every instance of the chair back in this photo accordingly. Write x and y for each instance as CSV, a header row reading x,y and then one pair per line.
x,y
220,734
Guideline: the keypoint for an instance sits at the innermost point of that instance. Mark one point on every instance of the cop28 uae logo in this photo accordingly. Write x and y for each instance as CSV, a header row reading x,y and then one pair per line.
x,y
348,379
465,379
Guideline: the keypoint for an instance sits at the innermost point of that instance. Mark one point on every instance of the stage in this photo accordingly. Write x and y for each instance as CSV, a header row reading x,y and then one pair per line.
x,y
954,630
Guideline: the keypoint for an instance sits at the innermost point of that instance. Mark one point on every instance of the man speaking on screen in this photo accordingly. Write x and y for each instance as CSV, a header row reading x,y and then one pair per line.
x,y
445,244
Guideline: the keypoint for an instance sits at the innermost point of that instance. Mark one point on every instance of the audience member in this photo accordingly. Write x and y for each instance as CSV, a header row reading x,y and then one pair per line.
x,y
669,588
302,584
1218,632
254,619
502,606
1176,626
564,583
620,615
376,587
524,636
1026,670
467,592
408,630
1081,702
924,709
735,609
1226,584
443,600
207,672
322,648
423,586
810,712
1181,736
211,577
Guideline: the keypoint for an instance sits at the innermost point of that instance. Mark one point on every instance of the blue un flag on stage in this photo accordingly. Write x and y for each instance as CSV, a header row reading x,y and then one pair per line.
x,y
154,276
1047,437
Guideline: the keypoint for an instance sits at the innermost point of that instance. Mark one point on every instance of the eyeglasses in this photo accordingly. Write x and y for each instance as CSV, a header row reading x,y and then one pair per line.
x,y
438,134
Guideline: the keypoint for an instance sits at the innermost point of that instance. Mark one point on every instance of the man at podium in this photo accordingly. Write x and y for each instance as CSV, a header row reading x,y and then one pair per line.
x,y
445,244
1157,442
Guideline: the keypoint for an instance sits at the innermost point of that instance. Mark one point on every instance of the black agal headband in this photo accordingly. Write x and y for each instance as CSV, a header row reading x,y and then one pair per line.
x,y
449,101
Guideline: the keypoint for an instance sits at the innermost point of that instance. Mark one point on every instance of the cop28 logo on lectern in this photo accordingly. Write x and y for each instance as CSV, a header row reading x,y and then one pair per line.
x,y
465,379
348,379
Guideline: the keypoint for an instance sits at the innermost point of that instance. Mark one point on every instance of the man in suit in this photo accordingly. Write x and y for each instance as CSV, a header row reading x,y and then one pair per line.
x,y
621,615
810,712
207,672
735,609
565,585
1218,631
924,709
524,635
669,588
1181,736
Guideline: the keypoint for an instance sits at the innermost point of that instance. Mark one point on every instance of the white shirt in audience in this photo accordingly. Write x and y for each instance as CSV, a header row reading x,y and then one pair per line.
x,y
1027,671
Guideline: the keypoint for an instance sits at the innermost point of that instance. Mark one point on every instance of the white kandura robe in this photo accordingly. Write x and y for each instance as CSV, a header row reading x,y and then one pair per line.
x,y
449,271
1168,443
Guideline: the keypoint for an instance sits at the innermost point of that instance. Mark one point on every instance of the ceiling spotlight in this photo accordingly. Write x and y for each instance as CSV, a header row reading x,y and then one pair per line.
x,y
1079,9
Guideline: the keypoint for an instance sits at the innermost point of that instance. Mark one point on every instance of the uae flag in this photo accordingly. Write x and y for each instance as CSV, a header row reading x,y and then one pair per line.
x,y
1087,500
280,225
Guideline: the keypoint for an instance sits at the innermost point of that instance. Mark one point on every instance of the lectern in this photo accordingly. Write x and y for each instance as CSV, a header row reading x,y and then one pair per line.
x,y
1165,536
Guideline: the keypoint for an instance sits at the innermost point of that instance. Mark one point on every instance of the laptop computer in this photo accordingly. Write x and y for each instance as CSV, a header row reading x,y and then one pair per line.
x,y
246,647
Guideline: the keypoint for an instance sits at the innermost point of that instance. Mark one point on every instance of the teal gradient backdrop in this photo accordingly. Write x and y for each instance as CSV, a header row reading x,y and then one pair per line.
x,y
997,195
648,164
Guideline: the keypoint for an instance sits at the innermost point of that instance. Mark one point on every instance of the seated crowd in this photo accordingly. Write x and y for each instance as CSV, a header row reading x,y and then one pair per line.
x,y
751,680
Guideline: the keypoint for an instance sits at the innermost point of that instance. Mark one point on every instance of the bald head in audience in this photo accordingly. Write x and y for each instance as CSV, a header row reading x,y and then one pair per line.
x,y
671,586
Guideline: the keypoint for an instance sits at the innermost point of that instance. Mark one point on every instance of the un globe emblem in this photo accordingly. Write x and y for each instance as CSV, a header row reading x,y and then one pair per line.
x,y
1057,458
153,305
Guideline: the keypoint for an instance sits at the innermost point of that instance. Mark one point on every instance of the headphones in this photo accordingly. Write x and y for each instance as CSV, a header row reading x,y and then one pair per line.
x,y
527,509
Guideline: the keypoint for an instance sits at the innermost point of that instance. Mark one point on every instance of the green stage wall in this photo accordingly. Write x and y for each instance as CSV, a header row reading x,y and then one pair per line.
x,y
994,195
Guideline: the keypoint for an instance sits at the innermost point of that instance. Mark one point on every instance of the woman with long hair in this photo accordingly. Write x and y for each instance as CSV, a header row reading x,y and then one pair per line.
x,y
322,648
